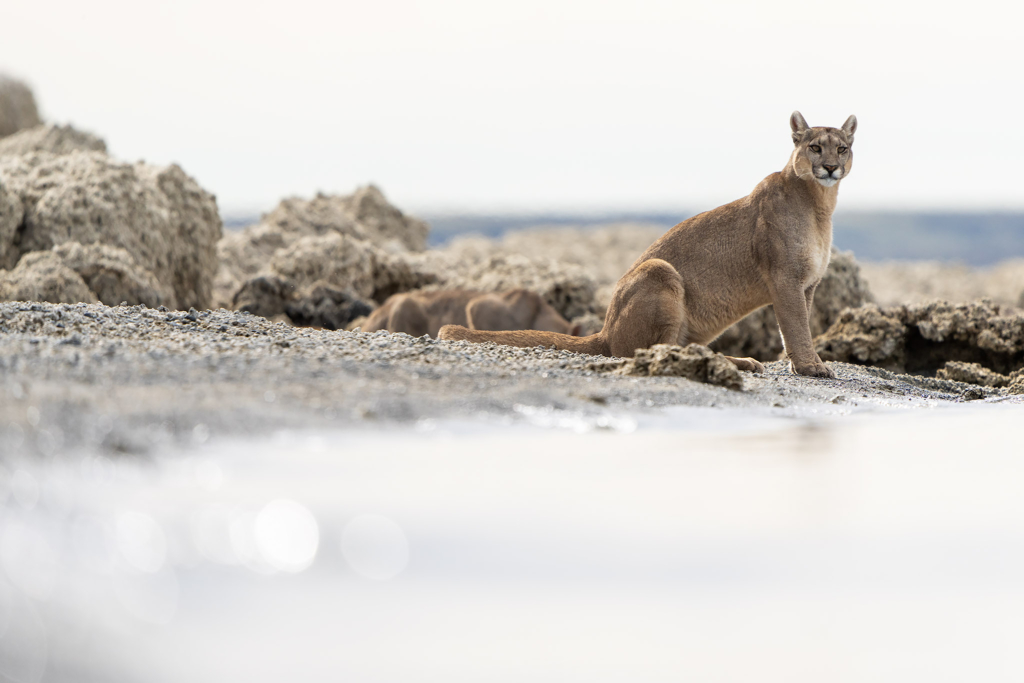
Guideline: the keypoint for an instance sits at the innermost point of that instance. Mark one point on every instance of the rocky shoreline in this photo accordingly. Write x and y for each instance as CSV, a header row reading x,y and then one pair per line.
x,y
129,379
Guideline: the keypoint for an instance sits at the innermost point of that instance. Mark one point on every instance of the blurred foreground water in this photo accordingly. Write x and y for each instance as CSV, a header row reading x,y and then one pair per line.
x,y
695,544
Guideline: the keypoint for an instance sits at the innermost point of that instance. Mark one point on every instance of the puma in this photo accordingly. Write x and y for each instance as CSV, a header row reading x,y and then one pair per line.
x,y
419,313
771,247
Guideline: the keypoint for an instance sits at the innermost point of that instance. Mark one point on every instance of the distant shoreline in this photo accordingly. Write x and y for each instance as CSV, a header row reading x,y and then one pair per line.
x,y
971,238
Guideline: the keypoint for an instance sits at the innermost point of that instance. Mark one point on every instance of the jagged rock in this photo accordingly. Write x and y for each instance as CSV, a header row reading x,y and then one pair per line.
x,y
868,336
334,258
385,224
365,215
362,240
265,295
160,216
17,107
243,255
1016,383
11,213
758,336
52,139
923,338
693,361
972,373
43,276
327,307
113,275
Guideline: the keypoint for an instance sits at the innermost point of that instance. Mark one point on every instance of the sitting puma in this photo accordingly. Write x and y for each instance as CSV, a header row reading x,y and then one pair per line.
x,y
419,313
771,247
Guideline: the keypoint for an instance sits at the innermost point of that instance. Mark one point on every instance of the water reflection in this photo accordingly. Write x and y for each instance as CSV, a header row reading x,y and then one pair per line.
x,y
375,547
287,536
141,542
892,553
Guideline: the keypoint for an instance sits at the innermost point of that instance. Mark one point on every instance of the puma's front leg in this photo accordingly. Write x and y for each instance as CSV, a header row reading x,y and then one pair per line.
x,y
792,307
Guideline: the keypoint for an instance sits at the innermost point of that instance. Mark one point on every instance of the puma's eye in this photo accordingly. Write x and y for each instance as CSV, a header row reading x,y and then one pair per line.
x,y
841,150
816,149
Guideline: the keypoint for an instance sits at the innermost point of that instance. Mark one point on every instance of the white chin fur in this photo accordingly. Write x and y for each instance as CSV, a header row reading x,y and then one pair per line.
x,y
827,182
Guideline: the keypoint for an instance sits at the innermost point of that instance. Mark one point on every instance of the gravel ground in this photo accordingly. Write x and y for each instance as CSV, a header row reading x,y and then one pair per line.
x,y
128,379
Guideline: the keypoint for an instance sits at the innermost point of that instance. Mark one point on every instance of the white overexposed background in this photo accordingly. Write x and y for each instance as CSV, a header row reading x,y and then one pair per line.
x,y
537,104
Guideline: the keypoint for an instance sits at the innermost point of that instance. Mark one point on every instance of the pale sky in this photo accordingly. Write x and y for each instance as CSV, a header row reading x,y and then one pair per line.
x,y
536,105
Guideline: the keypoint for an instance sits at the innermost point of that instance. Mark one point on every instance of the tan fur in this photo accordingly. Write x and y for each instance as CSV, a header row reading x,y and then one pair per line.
x,y
771,247
419,313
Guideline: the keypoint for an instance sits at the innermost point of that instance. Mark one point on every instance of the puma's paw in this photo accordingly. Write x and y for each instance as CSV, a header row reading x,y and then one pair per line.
x,y
815,369
747,364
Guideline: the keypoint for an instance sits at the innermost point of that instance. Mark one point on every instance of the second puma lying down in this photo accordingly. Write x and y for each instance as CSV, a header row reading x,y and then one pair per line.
x,y
420,313
771,247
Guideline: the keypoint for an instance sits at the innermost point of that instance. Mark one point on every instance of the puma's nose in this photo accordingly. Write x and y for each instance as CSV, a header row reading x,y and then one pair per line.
x,y
830,169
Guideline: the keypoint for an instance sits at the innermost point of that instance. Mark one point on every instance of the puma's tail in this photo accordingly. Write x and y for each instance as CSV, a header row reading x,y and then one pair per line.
x,y
594,345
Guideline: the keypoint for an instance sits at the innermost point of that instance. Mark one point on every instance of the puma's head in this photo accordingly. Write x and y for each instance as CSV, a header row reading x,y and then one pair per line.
x,y
824,153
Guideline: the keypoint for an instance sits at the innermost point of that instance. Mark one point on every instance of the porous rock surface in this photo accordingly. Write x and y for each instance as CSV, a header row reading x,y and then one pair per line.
x,y
364,214
159,218
51,139
758,336
43,276
17,106
975,373
113,275
328,308
318,257
693,361
925,337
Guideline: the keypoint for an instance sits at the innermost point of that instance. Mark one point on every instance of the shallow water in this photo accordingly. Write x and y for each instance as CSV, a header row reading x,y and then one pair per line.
x,y
688,544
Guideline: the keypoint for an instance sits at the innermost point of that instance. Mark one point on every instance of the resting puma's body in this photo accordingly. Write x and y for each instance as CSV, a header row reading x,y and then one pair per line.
x,y
419,313
771,247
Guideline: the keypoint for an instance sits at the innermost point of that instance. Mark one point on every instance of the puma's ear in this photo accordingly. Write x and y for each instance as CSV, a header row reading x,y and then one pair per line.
x,y
799,126
850,127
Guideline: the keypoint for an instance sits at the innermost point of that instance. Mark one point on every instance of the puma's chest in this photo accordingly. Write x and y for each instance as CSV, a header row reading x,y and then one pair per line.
x,y
818,252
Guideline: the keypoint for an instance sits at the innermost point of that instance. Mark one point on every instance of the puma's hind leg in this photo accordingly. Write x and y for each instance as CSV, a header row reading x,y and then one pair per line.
x,y
647,308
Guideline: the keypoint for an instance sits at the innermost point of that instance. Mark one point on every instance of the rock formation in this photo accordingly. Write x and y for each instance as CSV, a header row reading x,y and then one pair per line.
x,y
113,275
152,229
17,107
43,276
51,139
925,337
693,361
322,261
